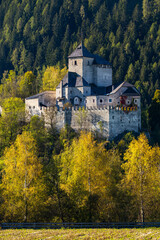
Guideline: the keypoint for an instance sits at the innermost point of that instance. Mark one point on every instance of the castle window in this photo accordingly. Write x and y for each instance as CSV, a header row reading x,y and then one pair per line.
x,y
29,107
75,62
135,101
86,91
33,107
110,100
88,62
101,100
93,100
71,91
112,117
40,108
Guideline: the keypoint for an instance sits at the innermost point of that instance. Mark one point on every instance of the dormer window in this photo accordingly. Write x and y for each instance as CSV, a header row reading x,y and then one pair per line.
x,y
75,62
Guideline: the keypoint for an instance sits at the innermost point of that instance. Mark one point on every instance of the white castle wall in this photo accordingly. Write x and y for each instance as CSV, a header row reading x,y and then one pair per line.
x,y
88,70
78,67
102,75
32,107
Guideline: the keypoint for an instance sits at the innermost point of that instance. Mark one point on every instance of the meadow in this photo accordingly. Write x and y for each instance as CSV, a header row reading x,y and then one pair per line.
x,y
87,234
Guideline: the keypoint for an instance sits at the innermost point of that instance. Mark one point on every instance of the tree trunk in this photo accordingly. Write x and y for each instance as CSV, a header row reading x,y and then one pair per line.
x,y
141,196
59,202
25,198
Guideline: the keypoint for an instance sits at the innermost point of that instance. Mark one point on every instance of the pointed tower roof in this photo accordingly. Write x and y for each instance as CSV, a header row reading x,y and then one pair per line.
x,y
81,51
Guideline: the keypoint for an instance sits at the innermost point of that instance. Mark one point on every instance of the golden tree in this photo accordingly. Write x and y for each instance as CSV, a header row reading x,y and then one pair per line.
x,y
142,177
23,190
87,176
52,77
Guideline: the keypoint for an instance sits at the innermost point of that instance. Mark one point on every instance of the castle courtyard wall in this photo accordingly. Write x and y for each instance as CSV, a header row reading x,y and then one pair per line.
x,y
109,122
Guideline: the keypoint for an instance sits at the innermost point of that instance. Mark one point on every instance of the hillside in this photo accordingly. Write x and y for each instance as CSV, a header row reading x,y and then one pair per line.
x,y
125,32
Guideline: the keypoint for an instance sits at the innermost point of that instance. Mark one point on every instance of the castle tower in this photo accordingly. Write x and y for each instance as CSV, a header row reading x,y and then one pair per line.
x,y
91,67
78,60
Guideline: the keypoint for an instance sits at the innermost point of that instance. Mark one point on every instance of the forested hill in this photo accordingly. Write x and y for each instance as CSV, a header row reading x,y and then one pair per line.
x,y
34,33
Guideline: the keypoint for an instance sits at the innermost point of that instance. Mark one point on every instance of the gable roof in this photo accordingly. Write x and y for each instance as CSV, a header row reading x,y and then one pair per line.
x,y
81,51
123,84
41,94
130,91
72,79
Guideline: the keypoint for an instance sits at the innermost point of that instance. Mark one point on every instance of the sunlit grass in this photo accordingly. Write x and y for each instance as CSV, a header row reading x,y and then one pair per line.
x,y
74,234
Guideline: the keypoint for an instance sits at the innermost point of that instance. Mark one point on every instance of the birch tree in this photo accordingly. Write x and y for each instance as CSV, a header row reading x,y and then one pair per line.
x,y
86,177
23,190
142,177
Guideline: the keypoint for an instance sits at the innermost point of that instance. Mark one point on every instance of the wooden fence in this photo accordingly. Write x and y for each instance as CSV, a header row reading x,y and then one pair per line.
x,y
77,225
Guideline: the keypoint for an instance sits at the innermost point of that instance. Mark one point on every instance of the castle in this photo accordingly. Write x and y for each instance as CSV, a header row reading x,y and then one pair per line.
x,y
86,98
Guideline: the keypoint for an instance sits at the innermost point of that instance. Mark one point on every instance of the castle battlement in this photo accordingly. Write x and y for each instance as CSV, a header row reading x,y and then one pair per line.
x,y
89,109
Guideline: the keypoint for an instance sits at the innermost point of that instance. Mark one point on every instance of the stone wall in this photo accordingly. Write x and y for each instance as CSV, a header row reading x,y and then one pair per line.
x,y
88,69
102,75
120,121
109,122
32,107
76,65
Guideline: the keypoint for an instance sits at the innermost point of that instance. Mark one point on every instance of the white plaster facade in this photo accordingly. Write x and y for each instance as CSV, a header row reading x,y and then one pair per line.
x,y
36,104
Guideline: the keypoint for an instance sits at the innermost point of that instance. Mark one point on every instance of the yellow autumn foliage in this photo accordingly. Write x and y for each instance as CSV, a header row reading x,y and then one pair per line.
x,y
22,182
142,177
52,77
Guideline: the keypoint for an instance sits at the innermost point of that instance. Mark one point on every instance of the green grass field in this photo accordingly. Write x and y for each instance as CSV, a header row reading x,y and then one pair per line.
x,y
74,234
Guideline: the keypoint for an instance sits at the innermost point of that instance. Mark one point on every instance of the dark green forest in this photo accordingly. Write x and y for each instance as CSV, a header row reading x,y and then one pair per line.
x,y
40,33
